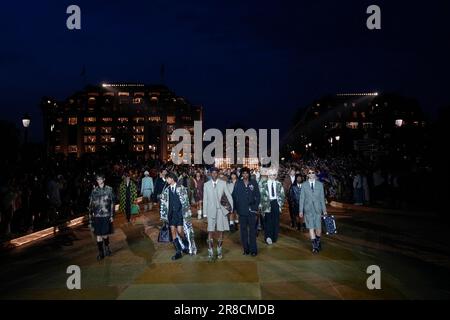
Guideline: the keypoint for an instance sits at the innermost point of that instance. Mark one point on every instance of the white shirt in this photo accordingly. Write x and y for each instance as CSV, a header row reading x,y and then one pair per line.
x,y
313,182
269,185
214,183
292,179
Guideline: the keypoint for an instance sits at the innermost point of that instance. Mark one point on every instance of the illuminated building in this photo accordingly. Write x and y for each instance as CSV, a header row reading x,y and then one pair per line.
x,y
119,117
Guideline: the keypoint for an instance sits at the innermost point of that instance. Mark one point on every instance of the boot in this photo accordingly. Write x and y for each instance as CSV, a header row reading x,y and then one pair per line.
x,y
107,249
177,246
210,249
101,253
199,214
186,246
219,249
319,244
314,246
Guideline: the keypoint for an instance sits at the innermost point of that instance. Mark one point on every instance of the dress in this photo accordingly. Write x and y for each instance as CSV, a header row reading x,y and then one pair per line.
x,y
199,190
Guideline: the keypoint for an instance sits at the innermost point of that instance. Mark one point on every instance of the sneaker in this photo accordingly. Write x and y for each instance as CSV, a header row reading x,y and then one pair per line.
x,y
269,241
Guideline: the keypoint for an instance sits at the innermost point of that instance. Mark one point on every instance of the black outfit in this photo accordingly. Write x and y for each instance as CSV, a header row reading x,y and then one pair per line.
x,y
160,184
246,201
175,214
272,221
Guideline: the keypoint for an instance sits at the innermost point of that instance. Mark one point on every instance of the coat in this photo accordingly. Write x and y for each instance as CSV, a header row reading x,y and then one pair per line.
x,y
245,200
212,205
147,187
186,210
265,196
294,198
123,194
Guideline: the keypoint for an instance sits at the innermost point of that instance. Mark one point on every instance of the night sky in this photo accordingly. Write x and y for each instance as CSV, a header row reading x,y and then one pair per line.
x,y
253,62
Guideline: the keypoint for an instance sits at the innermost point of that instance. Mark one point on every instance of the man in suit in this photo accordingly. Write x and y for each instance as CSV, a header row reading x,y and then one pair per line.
x,y
289,180
217,214
272,201
312,206
175,211
246,199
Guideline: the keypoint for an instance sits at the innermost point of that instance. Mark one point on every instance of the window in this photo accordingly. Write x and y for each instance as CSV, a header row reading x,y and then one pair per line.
x,y
105,139
91,101
154,99
90,139
137,100
72,121
186,118
105,129
89,149
107,119
138,138
60,120
73,149
90,129
138,147
171,119
122,120
90,119
139,119
154,119
57,148
138,129
399,123
352,125
367,125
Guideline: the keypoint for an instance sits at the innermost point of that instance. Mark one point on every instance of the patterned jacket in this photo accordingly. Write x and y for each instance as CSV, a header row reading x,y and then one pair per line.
x,y
164,205
265,197
123,194
101,202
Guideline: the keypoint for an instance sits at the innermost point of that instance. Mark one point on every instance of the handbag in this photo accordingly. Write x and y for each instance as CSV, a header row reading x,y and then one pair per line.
x,y
134,209
164,234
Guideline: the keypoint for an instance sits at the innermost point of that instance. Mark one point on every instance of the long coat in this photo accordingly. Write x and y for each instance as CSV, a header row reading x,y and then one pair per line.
x,y
215,211
265,196
312,204
294,198
147,187
123,194
186,210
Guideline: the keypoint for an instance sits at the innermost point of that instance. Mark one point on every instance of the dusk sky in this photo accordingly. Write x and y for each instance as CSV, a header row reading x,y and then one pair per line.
x,y
254,62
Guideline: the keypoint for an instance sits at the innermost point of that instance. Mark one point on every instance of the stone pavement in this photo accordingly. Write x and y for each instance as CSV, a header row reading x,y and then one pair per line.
x,y
413,266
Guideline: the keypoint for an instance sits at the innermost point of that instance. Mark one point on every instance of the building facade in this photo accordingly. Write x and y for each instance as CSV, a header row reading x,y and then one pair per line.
x,y
369,123
122,118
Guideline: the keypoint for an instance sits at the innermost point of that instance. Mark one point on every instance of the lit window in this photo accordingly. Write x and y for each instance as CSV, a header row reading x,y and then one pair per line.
x,y
139,119
105,139
107,119
122,120
72,121
106,129
89,149
124,94
367,125
154,119
137,100
399,123
73,149
89,119
90,129
138,129
138,147
91,101
138,138
316,114
363,114
171,119
90,139
352,125
57,148
59,120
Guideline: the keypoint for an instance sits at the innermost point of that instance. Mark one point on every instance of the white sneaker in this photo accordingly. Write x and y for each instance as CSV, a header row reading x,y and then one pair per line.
x,y
269,241
199,214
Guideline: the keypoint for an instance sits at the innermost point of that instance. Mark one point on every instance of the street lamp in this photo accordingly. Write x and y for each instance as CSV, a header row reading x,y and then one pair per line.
x,y
26,121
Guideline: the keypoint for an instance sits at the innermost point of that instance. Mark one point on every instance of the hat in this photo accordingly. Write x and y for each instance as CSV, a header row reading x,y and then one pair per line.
x,y
173,176
146,173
